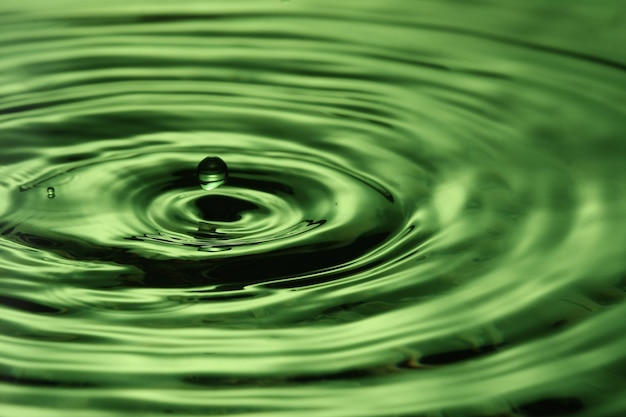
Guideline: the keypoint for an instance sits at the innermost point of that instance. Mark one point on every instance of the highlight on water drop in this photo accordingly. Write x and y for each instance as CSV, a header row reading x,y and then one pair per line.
x,y
51,193
212,172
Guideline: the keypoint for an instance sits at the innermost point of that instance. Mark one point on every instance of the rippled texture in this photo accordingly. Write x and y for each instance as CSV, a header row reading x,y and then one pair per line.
x,y
424,212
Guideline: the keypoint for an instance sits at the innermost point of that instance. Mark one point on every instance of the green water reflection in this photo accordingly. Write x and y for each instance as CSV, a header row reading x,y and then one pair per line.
x,y
423,214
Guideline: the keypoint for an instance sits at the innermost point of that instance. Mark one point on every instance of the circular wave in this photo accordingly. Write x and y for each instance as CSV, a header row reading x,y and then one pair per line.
x,y
421,218
282,213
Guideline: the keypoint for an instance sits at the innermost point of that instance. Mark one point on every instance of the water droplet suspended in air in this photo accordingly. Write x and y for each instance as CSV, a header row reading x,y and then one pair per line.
x,y
212,172
50,191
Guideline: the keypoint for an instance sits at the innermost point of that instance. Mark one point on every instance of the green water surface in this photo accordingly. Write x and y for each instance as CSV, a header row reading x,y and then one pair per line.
x,y
424,212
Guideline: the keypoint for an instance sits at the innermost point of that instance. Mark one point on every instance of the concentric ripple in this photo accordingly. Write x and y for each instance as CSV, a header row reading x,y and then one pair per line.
x,y
423,214
278,208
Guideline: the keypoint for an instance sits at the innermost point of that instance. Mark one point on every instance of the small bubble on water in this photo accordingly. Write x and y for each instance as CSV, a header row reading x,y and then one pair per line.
x,y
212,172
51,193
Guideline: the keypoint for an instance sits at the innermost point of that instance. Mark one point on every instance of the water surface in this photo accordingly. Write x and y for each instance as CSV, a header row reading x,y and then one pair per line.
x,y
423,214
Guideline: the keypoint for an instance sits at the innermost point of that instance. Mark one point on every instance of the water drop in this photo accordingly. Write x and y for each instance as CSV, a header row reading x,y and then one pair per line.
x,y
212,172
50,191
